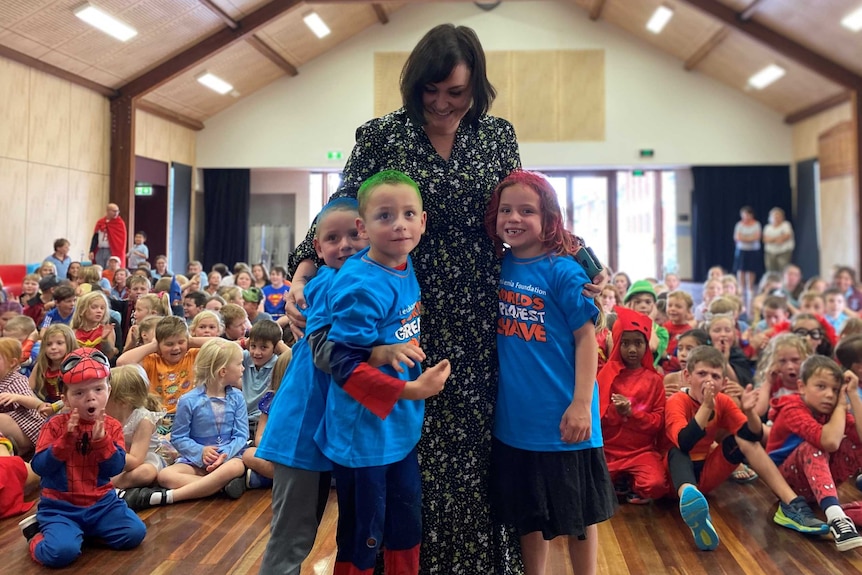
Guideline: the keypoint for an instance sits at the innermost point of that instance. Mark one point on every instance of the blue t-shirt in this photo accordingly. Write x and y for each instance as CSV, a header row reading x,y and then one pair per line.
x,y
541,304
297,409
273,300
54,316
372,305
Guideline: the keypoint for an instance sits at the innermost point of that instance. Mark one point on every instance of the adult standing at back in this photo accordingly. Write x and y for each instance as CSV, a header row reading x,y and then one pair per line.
x,y
444,140
778,241
109,238
747,261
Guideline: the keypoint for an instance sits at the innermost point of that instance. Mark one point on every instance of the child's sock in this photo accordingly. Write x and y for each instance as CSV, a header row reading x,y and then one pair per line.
x,y
834,512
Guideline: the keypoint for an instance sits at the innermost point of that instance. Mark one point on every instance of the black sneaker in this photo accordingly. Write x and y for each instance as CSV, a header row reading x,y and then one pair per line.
x,y
845,534
29,527
138,498
235,487
859,482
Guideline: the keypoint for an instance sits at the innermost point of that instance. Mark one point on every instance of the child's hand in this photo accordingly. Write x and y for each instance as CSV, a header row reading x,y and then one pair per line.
x,y
395,355
72,425
46,409
709,395
99,426
671,386
851,382
7,399
210,454
576,423
622,403
428,384
748,399
734,390
219,460
108,331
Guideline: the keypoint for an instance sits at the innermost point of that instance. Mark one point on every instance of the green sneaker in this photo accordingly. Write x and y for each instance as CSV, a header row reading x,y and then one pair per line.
x,y
695,512
797,515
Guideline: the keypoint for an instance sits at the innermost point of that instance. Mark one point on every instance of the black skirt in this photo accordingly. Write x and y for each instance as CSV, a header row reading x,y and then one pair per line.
x,y
748,261
557,492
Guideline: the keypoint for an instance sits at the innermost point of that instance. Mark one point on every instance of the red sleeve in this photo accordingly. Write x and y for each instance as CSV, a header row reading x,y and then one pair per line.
x,y
677,415
104,448
796,418
375,390
53,436
648,415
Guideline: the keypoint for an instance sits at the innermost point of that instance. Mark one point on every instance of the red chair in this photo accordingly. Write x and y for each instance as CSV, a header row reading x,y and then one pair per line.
x,y
13,277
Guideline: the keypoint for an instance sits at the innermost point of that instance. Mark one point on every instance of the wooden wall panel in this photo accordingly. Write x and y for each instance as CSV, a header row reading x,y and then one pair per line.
x,y
581,94
549,96
87,198
47,204
89,149
14,109
13,206
50,114
387,75
182,144
499,65
839,224
806,132
837,151
141,119
535,106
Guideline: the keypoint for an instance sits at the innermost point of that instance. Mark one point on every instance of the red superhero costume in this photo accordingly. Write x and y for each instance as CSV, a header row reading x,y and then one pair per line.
x,y
631,441
115,228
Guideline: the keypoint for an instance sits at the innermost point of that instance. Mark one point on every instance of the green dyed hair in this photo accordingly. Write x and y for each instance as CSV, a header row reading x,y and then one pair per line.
x,y
390,177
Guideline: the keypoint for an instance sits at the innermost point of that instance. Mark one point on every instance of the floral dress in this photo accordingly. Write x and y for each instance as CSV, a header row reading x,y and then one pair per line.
x,y
458,274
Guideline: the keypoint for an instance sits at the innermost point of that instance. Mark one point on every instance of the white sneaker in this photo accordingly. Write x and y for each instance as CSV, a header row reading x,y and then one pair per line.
x,y
845,534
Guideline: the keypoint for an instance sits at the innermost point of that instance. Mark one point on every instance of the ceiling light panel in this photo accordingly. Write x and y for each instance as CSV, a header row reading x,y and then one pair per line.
x,y
316,23
853,20
103,21
214,83
766,77
659,19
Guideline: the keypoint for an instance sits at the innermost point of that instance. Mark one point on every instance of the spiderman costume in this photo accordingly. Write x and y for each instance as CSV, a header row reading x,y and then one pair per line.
x,y
76,456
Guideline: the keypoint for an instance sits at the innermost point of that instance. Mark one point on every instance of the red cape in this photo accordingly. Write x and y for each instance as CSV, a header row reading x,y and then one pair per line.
x,y
117,238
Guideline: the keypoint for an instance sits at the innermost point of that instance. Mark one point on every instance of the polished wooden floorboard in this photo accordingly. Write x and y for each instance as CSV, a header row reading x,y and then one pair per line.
x,y
219,536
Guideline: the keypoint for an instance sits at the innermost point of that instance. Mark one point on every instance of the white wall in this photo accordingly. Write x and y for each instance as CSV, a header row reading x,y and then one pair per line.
x,y
651,101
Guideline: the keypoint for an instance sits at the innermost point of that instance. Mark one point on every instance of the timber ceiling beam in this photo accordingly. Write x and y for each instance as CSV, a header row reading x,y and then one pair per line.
x,y
169,115
749,10
271,54
206,48
37,64
818,107
781,44
230,22
711,44
596,9
381,14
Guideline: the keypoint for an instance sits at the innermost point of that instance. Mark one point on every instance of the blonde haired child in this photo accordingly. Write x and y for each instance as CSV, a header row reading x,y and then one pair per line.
x,y
678,308
47,269
19,419
139,411
206,324
91,323
23,329
812,302
210,432
712,288
146,305
231,294
215,303
260,471
778,369
235,321
29,288
852,326
46,380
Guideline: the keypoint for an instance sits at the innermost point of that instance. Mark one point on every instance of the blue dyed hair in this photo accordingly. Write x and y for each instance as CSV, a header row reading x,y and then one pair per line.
x,y
336,205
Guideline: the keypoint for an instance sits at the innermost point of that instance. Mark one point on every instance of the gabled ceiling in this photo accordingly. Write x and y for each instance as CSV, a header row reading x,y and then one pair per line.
x,y
697,36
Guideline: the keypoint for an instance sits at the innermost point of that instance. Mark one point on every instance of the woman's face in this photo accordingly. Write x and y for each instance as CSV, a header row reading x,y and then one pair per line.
x,y
446,102
621,283
775,218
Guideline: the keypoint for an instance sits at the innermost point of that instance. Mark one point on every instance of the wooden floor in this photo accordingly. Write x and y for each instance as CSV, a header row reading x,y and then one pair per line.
x,y
219,536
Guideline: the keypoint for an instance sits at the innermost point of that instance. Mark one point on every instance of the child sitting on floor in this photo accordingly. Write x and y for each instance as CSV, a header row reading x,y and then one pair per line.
x,y
815,441
58,341
687,342
694,420
634,421
19,419
210,433
77,454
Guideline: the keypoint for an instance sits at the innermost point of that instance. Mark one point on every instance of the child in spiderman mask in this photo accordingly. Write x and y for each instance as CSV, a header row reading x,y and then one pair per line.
x,y
76,455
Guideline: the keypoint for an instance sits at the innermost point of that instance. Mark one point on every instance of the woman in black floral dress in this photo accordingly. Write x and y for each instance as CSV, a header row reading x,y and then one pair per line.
x,y
444,139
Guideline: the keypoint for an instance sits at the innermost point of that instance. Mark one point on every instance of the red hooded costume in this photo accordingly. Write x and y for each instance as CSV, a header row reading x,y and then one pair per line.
x,y
631,442
115,228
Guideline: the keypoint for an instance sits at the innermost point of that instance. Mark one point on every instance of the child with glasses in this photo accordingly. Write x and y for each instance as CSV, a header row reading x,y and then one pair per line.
x,y
816,331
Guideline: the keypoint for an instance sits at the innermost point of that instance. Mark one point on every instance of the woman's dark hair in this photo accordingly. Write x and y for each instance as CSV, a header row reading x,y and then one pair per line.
x,y
433,59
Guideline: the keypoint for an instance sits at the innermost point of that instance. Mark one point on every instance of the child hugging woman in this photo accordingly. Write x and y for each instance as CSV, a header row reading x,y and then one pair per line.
x,y
91,323
139,411
19,419
210,433
46,380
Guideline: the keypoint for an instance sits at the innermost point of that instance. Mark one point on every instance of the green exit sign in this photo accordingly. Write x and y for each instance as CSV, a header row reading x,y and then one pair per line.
x,y
647,153
637,173
334,155
143,190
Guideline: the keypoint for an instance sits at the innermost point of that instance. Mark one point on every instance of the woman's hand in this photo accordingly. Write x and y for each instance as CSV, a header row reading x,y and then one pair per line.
x,y
594,289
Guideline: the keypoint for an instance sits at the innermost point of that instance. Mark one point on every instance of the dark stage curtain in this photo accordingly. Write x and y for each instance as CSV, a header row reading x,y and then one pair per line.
x,y
719,193
226,207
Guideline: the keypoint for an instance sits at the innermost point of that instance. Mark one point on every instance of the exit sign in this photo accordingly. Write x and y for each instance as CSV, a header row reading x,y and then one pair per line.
x,y
646,153
143,190
334,155
637,173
